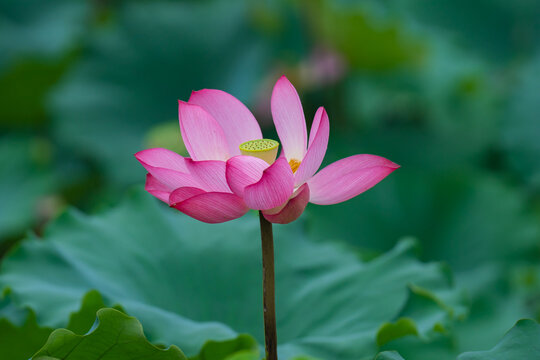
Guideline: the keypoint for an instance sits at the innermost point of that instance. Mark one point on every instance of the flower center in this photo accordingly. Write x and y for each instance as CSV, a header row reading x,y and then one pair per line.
x,y
294,164
264,149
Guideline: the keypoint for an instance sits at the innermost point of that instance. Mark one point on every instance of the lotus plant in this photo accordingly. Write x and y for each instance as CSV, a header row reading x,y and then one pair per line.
x,y
232,169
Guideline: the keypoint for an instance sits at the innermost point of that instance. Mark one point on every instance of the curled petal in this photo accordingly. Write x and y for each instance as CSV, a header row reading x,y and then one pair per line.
x,y
156,188
172,178
238,123
202,135
273,189
292,209
212,207
209,174
242,171
163,158
183,193
317,148
347,178
315,125
289,120
166,167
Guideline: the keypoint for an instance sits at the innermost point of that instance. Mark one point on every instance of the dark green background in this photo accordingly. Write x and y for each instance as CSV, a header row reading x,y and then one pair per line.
x,y
449,89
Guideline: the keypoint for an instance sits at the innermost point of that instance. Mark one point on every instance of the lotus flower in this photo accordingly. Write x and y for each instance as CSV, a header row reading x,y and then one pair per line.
x,y
233,169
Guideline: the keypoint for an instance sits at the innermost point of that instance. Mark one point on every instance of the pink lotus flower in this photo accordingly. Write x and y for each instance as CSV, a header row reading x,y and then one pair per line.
x,y
232,169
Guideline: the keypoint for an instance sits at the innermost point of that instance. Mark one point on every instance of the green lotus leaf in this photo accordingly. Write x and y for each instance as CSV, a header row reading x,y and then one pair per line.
x,y
521,342
189,282
20,334
244,346
389,355
115,337
465,218
390,331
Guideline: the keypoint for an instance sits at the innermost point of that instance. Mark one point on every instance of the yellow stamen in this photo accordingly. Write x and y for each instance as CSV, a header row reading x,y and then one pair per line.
x,y
294,164
264,149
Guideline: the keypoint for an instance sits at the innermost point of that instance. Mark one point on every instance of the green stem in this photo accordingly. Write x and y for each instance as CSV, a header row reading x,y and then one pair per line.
x,y
269,303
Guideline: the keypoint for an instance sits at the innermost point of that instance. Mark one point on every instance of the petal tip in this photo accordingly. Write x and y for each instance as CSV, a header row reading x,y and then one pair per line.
x,y
194,93
201,92
139,155
186,104
284,81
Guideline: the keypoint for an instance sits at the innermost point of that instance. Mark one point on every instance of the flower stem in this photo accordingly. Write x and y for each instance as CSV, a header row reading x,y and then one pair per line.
x,y
269,303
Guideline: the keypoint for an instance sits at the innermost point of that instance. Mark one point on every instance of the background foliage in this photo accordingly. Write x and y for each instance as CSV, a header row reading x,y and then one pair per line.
x,y
447,89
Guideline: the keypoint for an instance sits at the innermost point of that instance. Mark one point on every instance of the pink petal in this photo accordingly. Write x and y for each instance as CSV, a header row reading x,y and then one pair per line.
x,y
347,178
183,193
273,189
292,210
238,123
209,174
242,171
317,148
163,158
289,119
159,190
172,178
213,207
203,137
315,125
166,167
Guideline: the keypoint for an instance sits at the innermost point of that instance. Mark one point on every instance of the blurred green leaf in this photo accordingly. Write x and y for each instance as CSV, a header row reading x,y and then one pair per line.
x,y
24,87
20,341
497,302
168,136
422,315
81,321
168,270
243,347
391,331
389,355
450,105
521,342
496,29
33,28
26,179
349,28
463,217
116,336
521,129
133,72
37,42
